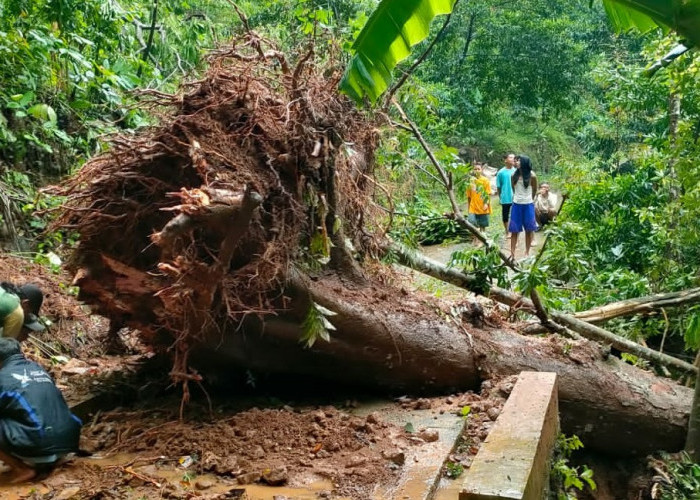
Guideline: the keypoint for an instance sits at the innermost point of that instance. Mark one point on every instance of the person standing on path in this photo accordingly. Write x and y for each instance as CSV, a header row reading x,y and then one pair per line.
x,y
479,198
522,214
504,188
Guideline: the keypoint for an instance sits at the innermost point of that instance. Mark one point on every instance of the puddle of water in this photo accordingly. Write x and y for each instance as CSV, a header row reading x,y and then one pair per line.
x,y
168,473
20,492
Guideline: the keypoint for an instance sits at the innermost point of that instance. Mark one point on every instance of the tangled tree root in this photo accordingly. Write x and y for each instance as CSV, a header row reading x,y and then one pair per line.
x,y
193,224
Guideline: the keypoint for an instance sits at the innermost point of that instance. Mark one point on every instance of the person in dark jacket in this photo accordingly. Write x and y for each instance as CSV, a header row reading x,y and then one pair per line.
x,y
36,426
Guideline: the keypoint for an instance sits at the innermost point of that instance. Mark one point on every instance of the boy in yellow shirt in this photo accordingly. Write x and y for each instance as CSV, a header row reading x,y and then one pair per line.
x,y
479,198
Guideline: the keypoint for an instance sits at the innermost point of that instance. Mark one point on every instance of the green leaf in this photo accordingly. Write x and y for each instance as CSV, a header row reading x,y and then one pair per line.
x,y
682,16
587,475
80,104
26,98
692,332
316,325
387,38
43,112
572,480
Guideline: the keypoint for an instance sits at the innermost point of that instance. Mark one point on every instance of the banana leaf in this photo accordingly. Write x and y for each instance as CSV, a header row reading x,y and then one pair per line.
x,y
386,39
681,16
397,25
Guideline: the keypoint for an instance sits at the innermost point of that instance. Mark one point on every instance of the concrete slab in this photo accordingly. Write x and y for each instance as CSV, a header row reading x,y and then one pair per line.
x,y
421,472
514,460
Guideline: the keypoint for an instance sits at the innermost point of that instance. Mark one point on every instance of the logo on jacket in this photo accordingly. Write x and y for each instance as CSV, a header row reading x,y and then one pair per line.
x,y
23,379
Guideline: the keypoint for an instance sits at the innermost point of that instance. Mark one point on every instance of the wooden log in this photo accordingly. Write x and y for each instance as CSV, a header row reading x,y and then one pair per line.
x,y
435,269
650,304
387,339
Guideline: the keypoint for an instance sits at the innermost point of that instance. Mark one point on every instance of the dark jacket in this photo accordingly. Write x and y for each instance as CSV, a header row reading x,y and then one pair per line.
x,y
34,418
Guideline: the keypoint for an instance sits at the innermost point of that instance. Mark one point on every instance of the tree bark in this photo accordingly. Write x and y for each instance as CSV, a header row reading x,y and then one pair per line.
x,y
692,442
386,338
151,34
437,270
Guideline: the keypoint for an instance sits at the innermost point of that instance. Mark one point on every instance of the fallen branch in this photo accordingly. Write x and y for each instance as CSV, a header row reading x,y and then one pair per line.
x,y
420,263
650,304
596,333
142,477
459,218
447,183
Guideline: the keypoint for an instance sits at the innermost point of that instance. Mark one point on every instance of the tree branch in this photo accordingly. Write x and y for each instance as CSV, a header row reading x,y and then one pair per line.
x,y
424,265
649,304
149,44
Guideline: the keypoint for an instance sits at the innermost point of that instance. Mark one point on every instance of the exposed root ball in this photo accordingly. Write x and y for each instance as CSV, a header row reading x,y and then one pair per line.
x,y
194,223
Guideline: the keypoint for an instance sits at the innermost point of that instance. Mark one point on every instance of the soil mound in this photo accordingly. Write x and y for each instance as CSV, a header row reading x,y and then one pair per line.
x,y
70,322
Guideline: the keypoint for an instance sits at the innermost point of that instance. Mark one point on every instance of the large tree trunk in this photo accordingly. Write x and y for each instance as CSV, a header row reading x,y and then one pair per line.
x,y
455,277
389,338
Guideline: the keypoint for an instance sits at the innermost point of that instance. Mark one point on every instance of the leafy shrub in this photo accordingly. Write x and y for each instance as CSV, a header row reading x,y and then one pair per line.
x,y
424,224
565,479
484,264
684,477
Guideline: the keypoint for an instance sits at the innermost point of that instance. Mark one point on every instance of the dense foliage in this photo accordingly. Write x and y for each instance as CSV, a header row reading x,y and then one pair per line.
x,y
69,71
549,79
629,227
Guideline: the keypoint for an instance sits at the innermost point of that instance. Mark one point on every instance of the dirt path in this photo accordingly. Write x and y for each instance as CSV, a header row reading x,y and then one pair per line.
x,y
300,451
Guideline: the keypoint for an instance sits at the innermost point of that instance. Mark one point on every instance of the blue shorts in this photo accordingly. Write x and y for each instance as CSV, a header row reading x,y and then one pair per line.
x,y
522,216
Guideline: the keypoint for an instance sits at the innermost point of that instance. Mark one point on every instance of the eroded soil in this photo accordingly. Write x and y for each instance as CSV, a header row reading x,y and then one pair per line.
x,y
305,452
219,448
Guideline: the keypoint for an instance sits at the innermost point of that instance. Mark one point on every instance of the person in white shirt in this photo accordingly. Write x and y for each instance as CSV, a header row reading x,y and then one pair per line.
x,y
522,213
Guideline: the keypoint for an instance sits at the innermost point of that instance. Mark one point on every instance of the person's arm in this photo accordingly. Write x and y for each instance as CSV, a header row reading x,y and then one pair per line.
x,y
499,183
533,184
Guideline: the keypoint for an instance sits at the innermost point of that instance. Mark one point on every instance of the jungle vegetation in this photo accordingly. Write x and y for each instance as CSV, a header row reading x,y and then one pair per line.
x,y
551,79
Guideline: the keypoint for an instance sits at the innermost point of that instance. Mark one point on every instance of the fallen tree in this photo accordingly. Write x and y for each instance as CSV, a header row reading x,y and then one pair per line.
x,y
585,329
647,305
238,225
385,337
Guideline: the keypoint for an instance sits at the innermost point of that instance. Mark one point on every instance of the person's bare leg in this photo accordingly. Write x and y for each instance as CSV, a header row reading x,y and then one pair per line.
x,y
513,244
528,242
20,472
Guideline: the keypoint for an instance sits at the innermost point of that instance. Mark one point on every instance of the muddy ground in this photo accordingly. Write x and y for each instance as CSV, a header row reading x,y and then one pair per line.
x,y
239,438
228,438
